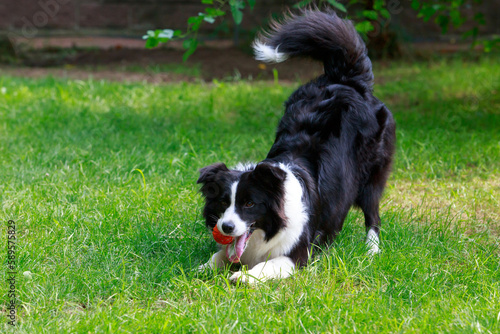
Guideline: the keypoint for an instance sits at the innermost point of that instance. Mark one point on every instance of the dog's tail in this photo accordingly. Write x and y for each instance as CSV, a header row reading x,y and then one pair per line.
x,y
322,36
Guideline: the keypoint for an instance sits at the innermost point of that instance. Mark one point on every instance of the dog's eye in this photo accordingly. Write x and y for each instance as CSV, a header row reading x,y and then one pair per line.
x,y
224,203
249,204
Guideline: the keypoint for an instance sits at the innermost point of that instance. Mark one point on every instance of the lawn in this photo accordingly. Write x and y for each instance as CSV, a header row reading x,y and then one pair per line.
x,y
100,179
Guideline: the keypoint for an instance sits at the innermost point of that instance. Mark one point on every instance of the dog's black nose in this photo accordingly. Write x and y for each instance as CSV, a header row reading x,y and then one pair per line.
x,y
227,227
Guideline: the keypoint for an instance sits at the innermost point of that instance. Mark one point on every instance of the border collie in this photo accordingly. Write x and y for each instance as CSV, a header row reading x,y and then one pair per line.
x,y
333,149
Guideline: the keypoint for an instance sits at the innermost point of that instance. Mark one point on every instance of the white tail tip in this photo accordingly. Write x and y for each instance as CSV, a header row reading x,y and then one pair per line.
x,y
267,54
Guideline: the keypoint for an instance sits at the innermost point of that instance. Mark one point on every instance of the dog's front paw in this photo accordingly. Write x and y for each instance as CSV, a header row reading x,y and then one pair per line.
x,y
234,278
204,267
218,260
242,277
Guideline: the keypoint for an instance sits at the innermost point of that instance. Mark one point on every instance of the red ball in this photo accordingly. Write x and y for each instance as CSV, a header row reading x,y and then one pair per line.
x,y
220,238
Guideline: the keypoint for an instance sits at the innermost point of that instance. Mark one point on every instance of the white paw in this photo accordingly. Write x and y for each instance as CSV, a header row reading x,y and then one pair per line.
x,y
241,277
372,241
235,276
374,251
218,260
204,267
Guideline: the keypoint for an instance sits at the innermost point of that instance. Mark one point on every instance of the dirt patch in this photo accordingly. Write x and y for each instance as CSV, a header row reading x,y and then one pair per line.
x,y
471,203
69,72
114,64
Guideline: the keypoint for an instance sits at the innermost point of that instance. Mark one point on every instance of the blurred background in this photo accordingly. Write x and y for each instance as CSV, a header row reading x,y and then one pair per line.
x,y
104,38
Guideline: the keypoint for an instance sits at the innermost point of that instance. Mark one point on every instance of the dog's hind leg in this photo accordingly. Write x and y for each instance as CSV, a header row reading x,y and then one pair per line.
x,y
369,197
368,201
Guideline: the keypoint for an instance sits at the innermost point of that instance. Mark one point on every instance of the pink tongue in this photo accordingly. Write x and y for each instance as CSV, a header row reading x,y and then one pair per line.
x,y
236,248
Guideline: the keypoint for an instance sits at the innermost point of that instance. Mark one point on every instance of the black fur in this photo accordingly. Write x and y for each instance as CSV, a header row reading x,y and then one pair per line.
x,y
216,188
267,192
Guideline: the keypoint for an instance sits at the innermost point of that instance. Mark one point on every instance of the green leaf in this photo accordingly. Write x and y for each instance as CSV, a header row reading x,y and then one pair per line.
x,y
195,22
302,3
415,4
214,12
155,37
337,5
186,44
237,15
237,3
195,19
378,5
427,12
236,7
251,4
364,26
385,13
479,18
190,45
456,18
443,21
151,42
370,14
207,2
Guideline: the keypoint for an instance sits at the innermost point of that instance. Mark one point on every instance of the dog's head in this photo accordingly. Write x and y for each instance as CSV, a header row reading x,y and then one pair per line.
x,y
216,182
259,202
242,200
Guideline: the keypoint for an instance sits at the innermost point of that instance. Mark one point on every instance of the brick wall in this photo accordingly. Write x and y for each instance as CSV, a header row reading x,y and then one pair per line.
x,y
132,17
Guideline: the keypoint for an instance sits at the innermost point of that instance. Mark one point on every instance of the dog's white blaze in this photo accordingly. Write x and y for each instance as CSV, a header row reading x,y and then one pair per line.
x,y
230,215
267,54
372,241
282,243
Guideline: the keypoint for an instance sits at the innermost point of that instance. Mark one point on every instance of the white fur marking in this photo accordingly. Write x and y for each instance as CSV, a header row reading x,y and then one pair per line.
x,y
244,166
279,267
372,241
259,250
218,260
230,215
267,54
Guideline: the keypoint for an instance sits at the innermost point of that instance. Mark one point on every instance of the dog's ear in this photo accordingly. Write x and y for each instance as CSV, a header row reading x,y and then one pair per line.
x,y
268,174
207,173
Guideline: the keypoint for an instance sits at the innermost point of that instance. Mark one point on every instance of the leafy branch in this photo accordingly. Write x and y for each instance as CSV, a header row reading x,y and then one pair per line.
x,y
365,13
190,36
450,13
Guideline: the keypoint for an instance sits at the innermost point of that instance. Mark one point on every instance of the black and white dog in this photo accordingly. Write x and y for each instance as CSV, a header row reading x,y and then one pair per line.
x,y
333,149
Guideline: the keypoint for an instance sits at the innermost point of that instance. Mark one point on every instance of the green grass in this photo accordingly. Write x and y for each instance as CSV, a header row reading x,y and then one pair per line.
x,y
100,179
192,71
188,70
